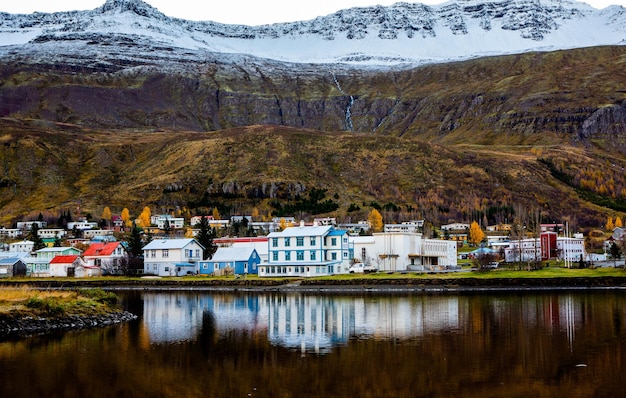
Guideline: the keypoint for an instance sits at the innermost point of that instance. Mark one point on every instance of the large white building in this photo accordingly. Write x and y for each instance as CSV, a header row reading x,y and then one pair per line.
x,y
307,251
402,251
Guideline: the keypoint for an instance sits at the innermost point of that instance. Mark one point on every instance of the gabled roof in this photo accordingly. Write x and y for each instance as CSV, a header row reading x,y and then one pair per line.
x,y
233,254
170,244
320,230
63,259
9,260
57,249
101,249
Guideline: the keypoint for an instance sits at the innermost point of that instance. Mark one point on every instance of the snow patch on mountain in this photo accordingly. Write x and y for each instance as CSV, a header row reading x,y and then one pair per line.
x,y
404,33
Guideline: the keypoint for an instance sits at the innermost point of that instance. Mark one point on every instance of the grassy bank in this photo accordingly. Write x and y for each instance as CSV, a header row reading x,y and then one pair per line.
x,y
20,302
606,276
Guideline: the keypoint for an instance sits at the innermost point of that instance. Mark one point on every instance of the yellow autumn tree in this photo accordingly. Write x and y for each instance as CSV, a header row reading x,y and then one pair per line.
x,y
282,224
609,224
375,220
618,222
476,234
126,217
216,214
106,215
255,214
144,217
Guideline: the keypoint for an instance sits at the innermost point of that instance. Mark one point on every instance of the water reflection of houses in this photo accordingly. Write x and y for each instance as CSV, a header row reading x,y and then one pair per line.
x,y
311,323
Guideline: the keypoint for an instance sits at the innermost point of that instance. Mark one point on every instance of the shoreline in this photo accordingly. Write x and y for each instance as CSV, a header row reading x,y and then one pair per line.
x,y
29,326
337,285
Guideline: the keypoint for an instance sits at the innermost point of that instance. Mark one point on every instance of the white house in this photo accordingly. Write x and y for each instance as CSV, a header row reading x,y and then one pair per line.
x,y
307,251
401,251
64,266
81,225
165,219
172,257
28,225
408,226
49,233
10,232
455,227
25,246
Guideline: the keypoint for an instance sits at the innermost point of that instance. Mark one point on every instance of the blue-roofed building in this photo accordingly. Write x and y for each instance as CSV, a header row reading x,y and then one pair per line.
x,y
307,251
240,260
11,267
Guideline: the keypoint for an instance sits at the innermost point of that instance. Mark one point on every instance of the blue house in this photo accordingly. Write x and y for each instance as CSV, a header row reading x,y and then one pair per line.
x,y
238,259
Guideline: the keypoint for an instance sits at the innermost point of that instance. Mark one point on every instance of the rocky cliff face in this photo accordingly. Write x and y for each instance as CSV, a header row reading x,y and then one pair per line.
x,y
567,93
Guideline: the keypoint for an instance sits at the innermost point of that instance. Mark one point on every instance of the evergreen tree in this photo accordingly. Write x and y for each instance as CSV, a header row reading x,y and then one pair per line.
x,y
34,236
205,237
135,241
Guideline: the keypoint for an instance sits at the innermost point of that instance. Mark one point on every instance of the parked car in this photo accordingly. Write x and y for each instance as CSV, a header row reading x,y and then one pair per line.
x,y
360,268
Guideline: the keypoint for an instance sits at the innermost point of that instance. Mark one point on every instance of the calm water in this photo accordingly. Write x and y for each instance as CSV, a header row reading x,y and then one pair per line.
x,y
302,345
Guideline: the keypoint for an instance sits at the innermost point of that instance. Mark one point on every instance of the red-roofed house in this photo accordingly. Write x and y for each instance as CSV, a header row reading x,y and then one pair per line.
x,y
110,257
65,265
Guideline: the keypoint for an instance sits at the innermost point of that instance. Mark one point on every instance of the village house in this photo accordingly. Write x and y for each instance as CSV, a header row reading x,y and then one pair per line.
x,y
408,226
40,265
10,233
258,243
240,261
28,225
455,227
110,257
11,267
51,233
105,234
172,257
64,266
307,251
25,246
163,220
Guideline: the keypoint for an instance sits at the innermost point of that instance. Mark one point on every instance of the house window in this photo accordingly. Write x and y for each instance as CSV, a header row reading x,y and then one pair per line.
x,y
312,240
300,256
345,254
197,253
153,253
274,242
312,255
287,241
205,266
166,253
275,256
333,256
300,241
333,241
287,256
363,254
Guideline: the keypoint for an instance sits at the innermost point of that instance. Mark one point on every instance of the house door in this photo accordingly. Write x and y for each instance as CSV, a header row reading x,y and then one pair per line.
x,y
71,271
245,268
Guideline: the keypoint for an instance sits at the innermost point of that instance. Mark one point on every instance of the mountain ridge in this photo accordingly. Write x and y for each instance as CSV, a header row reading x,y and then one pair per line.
x,y
400,34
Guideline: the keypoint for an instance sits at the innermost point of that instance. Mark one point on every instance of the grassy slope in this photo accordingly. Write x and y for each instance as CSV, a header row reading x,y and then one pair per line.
x,y
454,139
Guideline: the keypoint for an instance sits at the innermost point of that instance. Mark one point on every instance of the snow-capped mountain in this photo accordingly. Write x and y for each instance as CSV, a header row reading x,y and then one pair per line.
x,y
404,33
